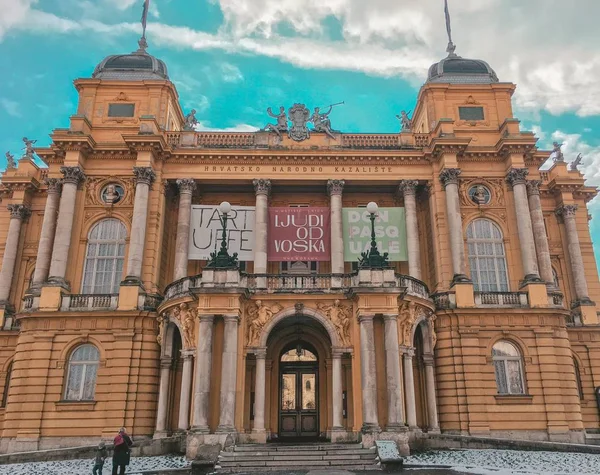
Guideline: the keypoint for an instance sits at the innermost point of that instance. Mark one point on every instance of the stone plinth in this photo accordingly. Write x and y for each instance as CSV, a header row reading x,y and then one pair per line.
x,y
222,278
375,278
463,292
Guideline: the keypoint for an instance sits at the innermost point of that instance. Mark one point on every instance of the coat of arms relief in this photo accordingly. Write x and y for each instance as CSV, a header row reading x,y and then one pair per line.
x,y
299,116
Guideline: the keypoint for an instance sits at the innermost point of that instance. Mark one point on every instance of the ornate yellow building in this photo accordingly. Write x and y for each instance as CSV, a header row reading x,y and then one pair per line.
x,y
483,324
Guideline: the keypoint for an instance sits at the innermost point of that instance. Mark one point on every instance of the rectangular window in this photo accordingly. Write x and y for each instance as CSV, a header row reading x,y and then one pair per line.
x,y
470,113
121,110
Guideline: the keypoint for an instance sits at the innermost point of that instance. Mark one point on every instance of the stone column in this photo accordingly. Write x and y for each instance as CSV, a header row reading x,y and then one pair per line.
x,y
203,373
431,398
259,391
72,176
408,188
44,254
228,374
186,188
262,189
568,212
144,178
186,388
409,388
392,371
335,189
163,397
368,374
539,232
516,177
18,213
449,178
337,392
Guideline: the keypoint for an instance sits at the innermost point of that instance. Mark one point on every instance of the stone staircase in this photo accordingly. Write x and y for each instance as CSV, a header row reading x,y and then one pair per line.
x,y
280,456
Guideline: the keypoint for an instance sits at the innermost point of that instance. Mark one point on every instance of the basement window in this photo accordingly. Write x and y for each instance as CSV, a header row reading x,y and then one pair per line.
x,y
121,110
470,113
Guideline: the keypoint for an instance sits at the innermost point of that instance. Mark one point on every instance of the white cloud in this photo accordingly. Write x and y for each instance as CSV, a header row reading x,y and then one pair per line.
x,y
573,144
202,127
11,107
231,73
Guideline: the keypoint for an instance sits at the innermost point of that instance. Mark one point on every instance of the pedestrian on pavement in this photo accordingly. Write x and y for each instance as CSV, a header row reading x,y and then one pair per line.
x,y
121,452
101,455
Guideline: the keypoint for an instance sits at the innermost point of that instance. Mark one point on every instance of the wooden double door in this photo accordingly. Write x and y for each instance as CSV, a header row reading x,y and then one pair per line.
x,y
299,400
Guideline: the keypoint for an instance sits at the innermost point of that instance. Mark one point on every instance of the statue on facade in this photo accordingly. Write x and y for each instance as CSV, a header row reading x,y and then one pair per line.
x,y
557,152
338,314
259,314
282,122
190,121
10,161
161,327
321,121
187,326
29,152
111,195
575,163
480,196
405,122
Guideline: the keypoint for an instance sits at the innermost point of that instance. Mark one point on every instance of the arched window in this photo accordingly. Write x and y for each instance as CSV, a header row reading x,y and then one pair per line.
x,y
487,258
81,375
508,366
578,378
104,258
6,385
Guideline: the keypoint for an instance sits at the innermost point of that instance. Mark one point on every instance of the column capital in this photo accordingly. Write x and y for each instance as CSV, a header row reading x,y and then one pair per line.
x,y
166,362
335,187
533,187
260,353
188,353
231,318
19,211
408,187
73,175
407,351
365,318
206,318
428,360
517,176
390,316
450,176
566,211
338,352
186,185
54,185
262,186
144,175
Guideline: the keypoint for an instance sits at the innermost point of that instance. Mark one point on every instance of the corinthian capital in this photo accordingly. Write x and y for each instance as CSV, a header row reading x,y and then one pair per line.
x,y
186,185
19,211
73,175
533,187
450,176
144,175
566,211
262,186
517,176
408,187
335,187
54,185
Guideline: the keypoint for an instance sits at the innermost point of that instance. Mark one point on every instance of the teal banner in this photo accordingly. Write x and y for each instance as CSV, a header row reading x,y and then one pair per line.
x,y
390,233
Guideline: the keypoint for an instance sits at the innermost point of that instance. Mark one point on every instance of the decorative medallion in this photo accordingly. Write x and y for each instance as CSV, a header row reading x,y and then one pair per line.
x,y
480,194
112,193
299,115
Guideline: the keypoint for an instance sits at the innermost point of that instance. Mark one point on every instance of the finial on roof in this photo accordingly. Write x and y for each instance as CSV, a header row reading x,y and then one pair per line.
x,y
143,44
451,46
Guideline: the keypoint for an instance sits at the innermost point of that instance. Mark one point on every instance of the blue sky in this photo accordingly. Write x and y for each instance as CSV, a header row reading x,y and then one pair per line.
x,y
231,59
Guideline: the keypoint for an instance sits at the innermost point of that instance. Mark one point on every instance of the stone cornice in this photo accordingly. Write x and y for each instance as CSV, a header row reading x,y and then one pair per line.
x,y
448,145
67,141
148,143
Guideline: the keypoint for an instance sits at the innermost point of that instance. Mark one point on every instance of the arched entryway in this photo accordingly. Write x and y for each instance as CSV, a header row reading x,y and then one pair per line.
x,y
298,381
424,377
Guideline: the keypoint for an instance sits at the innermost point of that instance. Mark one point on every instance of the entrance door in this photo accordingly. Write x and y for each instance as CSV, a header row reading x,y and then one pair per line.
x,y
298,400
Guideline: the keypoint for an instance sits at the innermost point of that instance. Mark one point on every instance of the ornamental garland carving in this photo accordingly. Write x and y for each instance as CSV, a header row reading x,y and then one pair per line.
x,y
259,314
495,186
339,315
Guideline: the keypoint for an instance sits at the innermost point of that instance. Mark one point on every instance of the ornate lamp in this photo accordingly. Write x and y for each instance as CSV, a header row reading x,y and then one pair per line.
x,y
372,259
222,259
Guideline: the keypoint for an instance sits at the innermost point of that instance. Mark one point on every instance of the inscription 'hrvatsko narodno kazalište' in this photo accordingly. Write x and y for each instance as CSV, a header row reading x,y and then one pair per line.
x,y
302,234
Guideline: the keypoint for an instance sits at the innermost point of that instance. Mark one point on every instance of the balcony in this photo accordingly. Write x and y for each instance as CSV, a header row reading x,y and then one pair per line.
x,y
78,302
501,299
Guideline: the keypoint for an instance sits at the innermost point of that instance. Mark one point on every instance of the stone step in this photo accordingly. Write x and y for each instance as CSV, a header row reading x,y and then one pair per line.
x,y
290,447
237,470
250,458
341,453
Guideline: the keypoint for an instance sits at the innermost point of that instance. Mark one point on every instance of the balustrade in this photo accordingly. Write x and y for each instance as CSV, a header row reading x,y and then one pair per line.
x,y
502,299
89,302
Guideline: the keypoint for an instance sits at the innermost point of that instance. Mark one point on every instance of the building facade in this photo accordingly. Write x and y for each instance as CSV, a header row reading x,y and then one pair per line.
x,y
484,323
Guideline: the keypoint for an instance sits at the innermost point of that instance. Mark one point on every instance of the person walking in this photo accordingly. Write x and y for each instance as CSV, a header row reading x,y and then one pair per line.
x,y
101,454
121,452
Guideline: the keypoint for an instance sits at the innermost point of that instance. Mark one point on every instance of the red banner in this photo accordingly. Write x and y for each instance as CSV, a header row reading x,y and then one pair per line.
x,y
299,234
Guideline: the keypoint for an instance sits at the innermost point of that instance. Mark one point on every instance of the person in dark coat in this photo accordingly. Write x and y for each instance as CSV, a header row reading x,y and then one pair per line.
x,y
121,452
101,454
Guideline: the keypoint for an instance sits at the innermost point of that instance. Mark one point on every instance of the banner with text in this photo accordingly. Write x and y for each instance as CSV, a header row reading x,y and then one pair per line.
x,y
299,234
206,232
390,233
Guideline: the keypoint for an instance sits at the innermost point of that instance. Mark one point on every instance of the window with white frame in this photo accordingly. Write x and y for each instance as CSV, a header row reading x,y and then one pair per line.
x,y
81,374
487,258
508,366
104,257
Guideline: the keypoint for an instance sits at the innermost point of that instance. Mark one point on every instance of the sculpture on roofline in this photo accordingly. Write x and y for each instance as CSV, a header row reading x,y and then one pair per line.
x,y
282,122
29,152
576,162
190,121
557,152
405,122
10,161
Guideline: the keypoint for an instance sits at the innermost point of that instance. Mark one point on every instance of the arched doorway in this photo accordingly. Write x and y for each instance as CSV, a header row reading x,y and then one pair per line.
x,y
298,391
